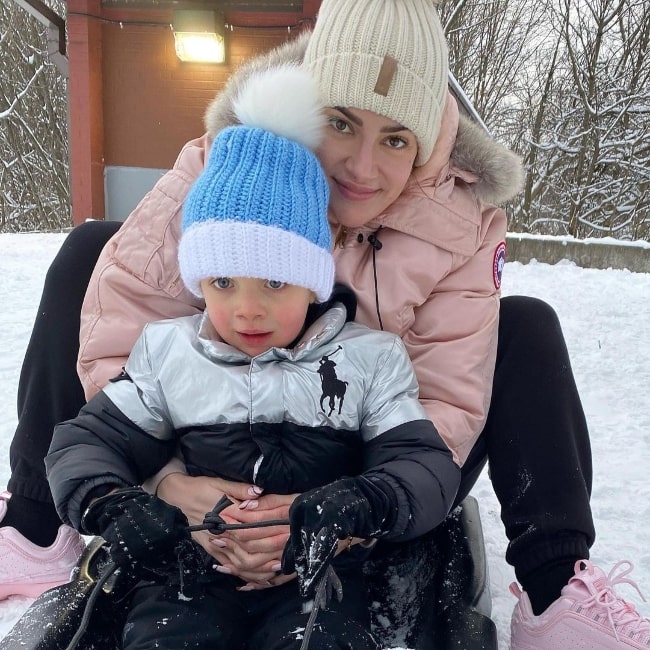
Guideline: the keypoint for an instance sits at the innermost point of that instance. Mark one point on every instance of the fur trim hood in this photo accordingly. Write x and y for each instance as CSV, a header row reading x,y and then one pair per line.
x,y
497,170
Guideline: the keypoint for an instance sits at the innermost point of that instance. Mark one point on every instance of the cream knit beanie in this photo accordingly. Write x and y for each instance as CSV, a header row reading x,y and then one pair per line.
x,y
385,56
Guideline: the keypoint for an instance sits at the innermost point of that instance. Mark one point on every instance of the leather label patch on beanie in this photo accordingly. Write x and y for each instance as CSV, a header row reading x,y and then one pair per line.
x,y
385,76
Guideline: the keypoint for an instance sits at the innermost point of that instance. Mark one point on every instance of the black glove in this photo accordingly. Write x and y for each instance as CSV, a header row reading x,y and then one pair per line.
x,y
350,507
142,531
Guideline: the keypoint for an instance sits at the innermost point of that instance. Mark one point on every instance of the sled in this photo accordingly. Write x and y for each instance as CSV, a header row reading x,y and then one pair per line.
x,y
53,618
429,595
435,595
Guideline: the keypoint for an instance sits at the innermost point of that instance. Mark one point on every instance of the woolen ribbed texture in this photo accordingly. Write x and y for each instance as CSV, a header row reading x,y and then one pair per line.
x,y
215,248
347,48
259,208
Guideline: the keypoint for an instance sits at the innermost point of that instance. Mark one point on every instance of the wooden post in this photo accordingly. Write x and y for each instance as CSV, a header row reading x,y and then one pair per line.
x,y
86,118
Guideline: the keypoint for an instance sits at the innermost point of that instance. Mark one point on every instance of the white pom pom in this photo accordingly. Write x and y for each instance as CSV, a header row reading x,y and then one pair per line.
x,y
285,101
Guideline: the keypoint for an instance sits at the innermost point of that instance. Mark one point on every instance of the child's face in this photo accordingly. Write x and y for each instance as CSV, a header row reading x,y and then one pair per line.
x,y
255,315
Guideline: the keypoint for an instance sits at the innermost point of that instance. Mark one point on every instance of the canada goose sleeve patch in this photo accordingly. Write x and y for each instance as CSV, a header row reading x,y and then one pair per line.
x,y
498,262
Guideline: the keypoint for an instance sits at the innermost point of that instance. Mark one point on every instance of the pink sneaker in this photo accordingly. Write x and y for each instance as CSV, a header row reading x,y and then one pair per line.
x,y
589,614
27,569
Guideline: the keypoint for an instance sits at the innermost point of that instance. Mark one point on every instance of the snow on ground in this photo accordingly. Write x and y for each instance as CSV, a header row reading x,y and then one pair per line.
x,y
606,320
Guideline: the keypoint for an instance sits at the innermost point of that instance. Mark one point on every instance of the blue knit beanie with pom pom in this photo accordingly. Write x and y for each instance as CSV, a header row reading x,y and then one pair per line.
x,y
259,208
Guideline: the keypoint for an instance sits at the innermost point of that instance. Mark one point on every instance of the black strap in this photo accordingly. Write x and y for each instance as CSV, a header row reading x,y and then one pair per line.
x,y
214,523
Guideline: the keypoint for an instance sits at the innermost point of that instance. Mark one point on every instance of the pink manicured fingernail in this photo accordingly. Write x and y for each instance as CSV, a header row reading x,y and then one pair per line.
x,y
255,491
249,504
276,567
246,588
217,541
221,569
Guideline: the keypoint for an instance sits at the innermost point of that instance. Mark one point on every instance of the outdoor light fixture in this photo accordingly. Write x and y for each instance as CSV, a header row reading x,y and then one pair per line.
x,y
200,36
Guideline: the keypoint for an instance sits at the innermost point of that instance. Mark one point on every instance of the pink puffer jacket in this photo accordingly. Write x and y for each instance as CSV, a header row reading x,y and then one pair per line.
x,y
437,271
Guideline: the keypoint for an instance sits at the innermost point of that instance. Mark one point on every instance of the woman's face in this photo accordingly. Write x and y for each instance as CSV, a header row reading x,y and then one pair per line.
x,y
367,160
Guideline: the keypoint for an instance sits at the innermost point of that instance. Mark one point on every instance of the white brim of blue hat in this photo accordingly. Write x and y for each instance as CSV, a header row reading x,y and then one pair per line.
x,y
221,248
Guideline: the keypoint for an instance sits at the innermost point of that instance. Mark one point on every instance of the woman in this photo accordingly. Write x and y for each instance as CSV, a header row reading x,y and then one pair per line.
x,y
430,221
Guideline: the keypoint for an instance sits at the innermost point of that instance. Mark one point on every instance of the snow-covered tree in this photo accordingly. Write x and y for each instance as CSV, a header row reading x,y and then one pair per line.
x,y
567,84
589,158
34,161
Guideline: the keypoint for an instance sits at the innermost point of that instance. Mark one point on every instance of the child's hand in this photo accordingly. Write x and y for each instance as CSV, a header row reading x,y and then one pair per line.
x,y
321,517
140,529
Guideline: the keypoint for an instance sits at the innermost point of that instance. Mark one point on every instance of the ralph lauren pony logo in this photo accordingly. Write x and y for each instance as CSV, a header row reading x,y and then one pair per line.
x,y
332,386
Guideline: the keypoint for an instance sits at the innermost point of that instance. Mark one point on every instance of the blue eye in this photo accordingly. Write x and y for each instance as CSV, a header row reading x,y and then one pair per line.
x,y
222,283
275,284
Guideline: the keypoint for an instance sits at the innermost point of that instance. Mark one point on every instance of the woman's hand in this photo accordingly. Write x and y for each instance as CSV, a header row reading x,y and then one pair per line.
x,y
251,554
197,495
255,510
254,554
